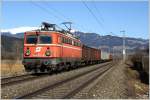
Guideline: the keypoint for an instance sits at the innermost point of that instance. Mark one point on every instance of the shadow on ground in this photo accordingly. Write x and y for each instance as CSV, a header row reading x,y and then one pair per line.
x,y
143,76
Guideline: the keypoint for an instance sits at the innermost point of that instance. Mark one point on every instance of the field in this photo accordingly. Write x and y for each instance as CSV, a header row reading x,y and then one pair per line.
x,y
11,68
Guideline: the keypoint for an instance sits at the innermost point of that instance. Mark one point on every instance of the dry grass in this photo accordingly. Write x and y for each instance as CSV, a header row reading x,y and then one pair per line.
x,y
11,67
136,89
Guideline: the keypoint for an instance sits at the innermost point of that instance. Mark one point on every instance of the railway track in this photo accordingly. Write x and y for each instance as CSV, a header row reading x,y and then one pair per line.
x,y
17,79
68,87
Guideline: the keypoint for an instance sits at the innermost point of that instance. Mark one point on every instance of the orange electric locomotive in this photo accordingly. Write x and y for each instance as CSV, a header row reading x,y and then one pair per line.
x,y
49,49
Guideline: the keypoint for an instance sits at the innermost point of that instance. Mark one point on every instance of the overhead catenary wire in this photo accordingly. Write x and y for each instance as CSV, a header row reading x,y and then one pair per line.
x,y
58,12
54,15
66,18
94,16
100,15
46,10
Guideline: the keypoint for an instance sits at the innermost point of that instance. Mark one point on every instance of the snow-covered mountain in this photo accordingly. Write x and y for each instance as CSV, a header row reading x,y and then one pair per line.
x,y
18,30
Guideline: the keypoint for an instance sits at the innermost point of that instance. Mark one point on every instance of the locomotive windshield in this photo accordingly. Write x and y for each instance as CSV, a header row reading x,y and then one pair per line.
x,y
38,39
44,39
31,39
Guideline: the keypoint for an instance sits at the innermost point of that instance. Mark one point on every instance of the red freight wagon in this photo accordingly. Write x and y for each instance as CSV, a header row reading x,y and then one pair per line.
x,y
90,55
110,57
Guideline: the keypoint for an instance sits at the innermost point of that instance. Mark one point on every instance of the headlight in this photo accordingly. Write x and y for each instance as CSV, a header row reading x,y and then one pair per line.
x,y
47,53
28,52
46,62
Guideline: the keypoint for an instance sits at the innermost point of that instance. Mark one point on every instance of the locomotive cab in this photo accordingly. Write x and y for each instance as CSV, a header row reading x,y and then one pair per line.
x,y
37,49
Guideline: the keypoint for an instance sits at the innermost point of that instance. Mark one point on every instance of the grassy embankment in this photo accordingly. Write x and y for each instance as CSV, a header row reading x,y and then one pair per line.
x,y
11,67
138,86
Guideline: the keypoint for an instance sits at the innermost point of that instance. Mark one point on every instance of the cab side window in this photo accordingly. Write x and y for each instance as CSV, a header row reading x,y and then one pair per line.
x,y
66,40
70,41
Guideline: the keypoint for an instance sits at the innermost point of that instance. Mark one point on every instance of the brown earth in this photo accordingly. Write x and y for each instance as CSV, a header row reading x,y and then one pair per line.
x,y
136,88
11,68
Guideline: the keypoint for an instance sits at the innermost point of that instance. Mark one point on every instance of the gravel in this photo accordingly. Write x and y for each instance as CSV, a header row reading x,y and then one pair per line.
x,y
112,85
65,88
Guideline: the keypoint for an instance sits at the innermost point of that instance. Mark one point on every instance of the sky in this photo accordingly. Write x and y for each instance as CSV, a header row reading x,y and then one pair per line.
x,y
102,17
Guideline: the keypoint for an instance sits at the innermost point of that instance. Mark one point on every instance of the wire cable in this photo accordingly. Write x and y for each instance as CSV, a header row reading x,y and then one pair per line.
x,y
100,15
66,18
46,10
95,17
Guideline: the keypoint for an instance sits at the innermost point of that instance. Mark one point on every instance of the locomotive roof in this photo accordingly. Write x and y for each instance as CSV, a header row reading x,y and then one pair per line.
x,y
59,32
90,47
48,27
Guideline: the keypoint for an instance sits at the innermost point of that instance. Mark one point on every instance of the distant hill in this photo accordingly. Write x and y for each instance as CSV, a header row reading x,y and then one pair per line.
x,y
17,35
10,43
113,42
11,47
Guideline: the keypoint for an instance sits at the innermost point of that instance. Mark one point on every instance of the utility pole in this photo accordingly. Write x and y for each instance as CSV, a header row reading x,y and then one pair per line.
x,y
108,43
124,47
113,52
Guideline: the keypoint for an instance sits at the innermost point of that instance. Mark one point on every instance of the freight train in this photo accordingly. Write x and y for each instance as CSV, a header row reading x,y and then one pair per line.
x,y
49,49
